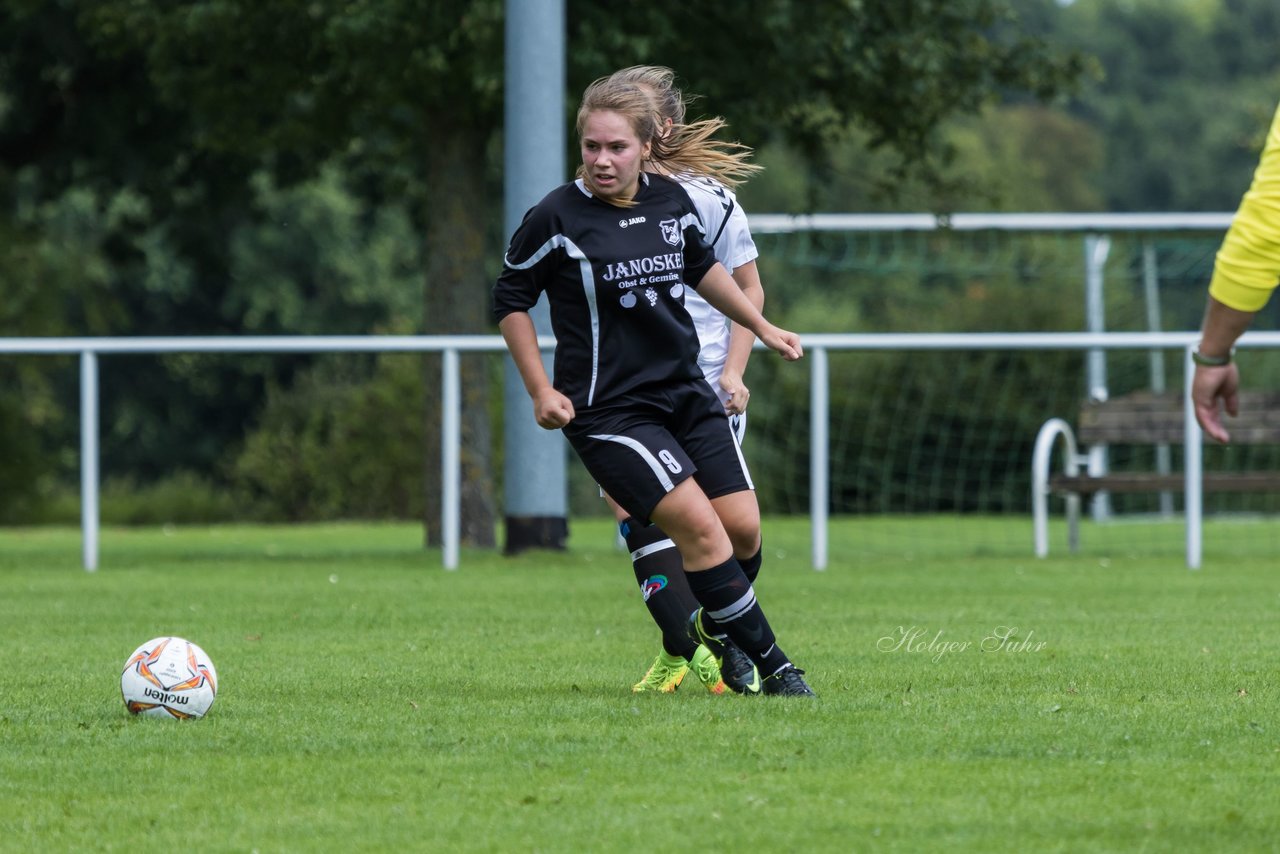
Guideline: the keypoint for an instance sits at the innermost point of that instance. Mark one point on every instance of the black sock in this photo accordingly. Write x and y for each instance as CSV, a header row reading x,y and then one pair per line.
x,y
751,566
728,601
660,571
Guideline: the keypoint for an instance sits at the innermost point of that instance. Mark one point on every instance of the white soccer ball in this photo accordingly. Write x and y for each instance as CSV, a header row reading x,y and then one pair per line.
x,y
169,678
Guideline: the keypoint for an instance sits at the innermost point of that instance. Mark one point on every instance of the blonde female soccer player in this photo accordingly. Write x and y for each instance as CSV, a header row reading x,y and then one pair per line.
x,y
615,251
689,641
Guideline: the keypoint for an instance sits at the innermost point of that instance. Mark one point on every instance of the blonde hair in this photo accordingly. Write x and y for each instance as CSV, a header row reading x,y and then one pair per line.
x,y
646,96
688,148
668,101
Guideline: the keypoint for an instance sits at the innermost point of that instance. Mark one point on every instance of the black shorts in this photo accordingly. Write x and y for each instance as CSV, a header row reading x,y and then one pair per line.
x,y
640,448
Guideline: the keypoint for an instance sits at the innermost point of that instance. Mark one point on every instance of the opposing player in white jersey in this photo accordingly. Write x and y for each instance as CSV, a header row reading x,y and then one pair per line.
x,y
687,640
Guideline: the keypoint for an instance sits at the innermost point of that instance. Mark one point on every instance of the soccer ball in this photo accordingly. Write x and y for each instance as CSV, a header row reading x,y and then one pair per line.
x,y
169,678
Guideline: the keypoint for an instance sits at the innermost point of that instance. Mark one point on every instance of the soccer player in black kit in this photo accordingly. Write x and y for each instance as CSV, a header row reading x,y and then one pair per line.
x,y
614,251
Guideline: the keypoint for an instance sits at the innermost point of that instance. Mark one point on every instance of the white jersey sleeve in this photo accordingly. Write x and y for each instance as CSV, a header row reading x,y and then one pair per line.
x,y
725,226
723,219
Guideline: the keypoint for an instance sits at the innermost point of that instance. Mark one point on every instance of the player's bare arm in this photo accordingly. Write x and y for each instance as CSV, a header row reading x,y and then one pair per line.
x,y
741,340
719,288
551,409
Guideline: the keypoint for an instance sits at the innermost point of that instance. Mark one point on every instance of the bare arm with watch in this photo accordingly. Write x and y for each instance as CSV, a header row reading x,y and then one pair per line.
x,y
1245,273
1216,384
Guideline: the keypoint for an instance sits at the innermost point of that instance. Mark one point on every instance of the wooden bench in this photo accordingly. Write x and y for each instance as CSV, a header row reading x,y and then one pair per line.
x,y
1142,418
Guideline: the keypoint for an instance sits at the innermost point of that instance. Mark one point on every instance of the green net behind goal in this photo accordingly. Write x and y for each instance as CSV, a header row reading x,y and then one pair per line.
x,y
949,435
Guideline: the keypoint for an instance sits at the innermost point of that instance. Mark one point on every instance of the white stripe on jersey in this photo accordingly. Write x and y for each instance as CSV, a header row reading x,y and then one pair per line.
x,y
659,470
588,286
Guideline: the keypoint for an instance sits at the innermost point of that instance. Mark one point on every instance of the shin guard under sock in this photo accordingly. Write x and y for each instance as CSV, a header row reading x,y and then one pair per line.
x,y
728,600
660,571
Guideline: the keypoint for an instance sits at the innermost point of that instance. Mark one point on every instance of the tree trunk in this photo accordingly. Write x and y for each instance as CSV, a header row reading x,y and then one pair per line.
x,y
457,303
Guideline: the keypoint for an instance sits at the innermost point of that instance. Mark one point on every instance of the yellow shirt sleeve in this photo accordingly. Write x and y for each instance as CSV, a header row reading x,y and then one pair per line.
x,y
1247,267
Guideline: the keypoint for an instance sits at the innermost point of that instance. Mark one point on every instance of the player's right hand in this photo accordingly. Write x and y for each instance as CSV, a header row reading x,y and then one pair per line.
x,y
552,410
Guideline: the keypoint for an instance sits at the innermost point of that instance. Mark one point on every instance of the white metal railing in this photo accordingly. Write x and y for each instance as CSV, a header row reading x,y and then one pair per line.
x,y
90,348
1100,222
817,347
1089,341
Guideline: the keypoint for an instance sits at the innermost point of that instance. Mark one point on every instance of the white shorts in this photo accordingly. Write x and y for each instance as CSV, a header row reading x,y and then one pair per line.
x,y
738,422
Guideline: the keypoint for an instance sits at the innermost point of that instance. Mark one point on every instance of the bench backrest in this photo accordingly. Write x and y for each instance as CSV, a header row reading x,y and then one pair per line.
x,y
1146,418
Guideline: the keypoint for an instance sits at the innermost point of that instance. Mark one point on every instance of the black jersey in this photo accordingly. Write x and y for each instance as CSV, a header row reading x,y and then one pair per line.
x,y
615,279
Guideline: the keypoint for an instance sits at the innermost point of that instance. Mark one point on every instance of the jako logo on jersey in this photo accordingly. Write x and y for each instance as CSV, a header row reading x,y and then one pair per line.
x,y
643,266
635,220
670,231
652,585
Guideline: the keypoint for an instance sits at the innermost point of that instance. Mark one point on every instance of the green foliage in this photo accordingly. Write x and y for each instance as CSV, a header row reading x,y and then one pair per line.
x,y
321,262
184,498
1188,90
1008,158
29,408
1025,158
897,71
21,467
340,443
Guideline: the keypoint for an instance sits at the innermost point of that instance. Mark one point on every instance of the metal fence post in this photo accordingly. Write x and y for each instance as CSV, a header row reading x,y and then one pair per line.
x,y
89,458
450,457
819,452
1194,460
1096,249
1151,296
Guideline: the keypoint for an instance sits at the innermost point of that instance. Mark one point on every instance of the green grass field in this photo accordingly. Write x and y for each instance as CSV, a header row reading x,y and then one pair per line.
x,y
371,701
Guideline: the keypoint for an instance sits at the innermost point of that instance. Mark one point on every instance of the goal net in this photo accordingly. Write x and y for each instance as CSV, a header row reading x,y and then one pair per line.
x,y
930,452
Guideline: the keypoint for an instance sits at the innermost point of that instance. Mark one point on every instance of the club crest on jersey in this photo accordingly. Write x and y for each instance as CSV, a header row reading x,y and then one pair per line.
x,y
670,231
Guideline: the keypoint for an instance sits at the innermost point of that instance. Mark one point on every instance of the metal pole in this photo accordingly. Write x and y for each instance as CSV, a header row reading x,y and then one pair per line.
x,y
1151,292
819,453
89,459
1041,458
535,478
1096,249
1195,468
450,457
